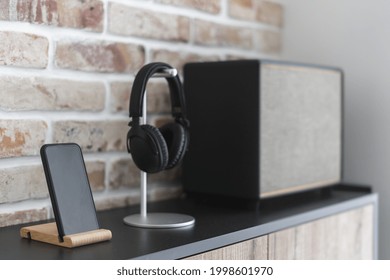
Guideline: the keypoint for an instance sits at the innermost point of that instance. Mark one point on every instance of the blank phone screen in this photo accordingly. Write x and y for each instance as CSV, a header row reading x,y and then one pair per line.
x,y
69,188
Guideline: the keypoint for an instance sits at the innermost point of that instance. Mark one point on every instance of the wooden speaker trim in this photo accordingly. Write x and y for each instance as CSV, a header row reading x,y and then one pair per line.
x,y
299,188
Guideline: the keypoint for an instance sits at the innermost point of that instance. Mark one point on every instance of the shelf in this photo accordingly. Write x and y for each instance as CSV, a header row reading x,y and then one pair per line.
x,y
215,226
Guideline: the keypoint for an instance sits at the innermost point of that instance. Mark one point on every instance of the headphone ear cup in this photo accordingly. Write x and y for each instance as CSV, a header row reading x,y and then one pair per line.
x,y
176,140
148,148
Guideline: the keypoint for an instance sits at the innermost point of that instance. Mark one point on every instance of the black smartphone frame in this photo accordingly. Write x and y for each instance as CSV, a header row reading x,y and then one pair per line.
x,y
69,188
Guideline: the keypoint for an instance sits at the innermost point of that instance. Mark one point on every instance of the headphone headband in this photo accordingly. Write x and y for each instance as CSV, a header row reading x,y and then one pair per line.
x,y
175,88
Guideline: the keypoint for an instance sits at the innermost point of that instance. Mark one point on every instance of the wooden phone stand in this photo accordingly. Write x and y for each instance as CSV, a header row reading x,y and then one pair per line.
x,y
48,233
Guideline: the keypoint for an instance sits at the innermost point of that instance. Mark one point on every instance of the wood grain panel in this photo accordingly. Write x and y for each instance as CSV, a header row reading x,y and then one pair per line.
x,y
348,235
254,249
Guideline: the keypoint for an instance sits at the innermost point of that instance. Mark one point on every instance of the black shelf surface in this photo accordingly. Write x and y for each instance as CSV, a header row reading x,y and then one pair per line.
x,y
215,226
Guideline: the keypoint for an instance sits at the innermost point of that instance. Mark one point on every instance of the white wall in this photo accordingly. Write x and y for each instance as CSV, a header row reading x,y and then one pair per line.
x,y
354,35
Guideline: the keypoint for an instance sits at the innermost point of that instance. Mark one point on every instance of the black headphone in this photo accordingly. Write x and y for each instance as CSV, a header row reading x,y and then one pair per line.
x,y
155,149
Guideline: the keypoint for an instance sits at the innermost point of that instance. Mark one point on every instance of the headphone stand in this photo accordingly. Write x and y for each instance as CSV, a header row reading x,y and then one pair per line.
x,y
155,220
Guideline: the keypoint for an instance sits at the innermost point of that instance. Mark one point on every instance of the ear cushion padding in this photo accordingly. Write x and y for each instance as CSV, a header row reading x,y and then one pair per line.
x,y
176,141
148,148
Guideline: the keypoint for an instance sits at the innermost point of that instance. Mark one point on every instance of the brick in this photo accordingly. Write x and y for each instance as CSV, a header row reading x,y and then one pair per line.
x,y
254,10
269,41
96,175
21,217
4,6
21,137
239,57
154,194
158,99
81,14
99,56
22,183
213,34
28,182
84,14
120,97
177,58
170,176
116,202
162,120
165,192
124,173
23,50
209,6
130,21
36,93
92,136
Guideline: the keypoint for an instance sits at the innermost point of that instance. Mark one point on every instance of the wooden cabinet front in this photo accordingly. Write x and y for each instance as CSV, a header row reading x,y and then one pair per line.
x,y
347,235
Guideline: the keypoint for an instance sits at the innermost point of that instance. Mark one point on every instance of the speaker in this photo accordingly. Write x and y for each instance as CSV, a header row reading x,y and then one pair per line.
x,y
262,128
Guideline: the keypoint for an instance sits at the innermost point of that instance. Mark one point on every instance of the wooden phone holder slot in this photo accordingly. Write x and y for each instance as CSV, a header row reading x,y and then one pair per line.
x,y
48,233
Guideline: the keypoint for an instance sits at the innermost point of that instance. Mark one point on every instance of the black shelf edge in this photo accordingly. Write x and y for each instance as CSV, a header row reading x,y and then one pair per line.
x,y
215,226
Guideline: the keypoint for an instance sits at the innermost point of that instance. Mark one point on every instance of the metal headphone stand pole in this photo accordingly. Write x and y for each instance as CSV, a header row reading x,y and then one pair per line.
x,y
155,220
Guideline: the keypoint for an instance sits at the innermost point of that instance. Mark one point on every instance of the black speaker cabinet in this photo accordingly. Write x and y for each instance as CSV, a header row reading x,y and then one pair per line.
x,y
261,128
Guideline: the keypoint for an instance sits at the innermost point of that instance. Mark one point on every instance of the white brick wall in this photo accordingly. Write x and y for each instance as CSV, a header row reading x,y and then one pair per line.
x,y
66,69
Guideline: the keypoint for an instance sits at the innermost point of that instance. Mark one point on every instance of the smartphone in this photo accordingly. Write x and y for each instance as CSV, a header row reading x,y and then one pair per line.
x,y
69,189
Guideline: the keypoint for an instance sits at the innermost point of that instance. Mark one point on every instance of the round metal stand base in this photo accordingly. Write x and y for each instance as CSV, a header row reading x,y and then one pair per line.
x,y
159,220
